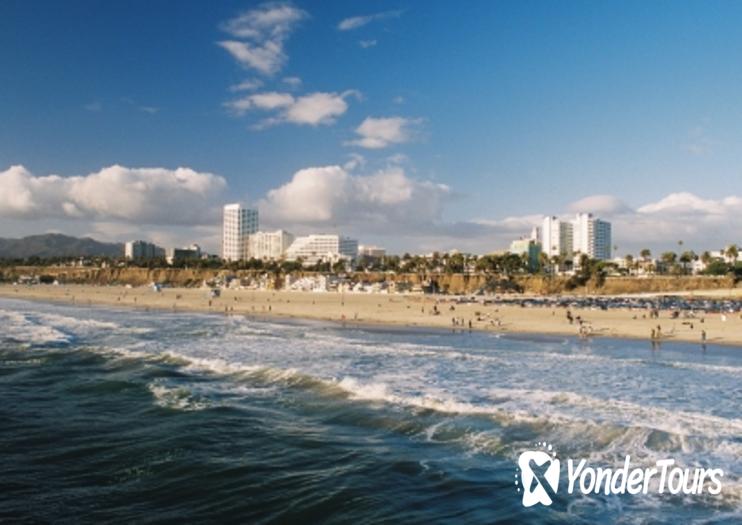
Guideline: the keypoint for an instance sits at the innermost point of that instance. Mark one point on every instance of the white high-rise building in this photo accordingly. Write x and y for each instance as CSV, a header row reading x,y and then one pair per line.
x,y
239,223
592,236
330,248
556,237
269,245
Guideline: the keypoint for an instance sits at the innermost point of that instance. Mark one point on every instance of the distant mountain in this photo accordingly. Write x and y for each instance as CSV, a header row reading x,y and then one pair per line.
x,y
56,245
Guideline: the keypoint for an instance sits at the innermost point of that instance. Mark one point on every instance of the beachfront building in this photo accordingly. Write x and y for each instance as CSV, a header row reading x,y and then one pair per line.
x,y
312,249
142,250
176,255
531,249
556,237
269,245
368,250
591,237
238,224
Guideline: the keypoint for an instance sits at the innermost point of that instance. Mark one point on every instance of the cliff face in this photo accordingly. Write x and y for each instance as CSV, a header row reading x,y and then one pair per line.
x,y
446,283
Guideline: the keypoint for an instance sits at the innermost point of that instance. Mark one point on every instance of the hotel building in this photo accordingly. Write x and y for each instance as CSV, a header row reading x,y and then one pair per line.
x,y
591,236
269,245
556,237
239,223
329,248
142,250
582,235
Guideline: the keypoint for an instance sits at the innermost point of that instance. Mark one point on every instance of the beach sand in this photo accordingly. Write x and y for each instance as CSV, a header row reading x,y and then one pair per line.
x,y
399,310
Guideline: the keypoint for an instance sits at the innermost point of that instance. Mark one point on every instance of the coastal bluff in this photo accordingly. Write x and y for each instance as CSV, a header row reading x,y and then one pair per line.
x,y
443,282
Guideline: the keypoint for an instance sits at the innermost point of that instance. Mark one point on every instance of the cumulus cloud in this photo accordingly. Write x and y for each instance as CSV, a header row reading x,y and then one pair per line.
x,y
116,193
312,109
262,33
365,44
386,206
332,196
685,204
599,204
377,133
701,223
355,22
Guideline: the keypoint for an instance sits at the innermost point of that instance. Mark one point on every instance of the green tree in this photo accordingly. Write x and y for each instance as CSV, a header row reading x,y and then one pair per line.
x,y
732,252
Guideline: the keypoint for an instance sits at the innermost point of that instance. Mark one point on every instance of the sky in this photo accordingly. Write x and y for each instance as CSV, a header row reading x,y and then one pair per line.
x,y
416,126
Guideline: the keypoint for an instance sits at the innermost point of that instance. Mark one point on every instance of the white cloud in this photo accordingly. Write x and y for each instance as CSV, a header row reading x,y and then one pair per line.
x,y
365,44
599,204
272,20
313,109
267,58
115,193
94,107
262,32
684,204
331,196
355,161
272,100
376,133
293,82
247,85
317,108
359,21
701,223
512,227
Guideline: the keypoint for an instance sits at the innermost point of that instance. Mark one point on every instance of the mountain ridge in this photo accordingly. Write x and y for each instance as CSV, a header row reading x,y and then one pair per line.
x,y
57,245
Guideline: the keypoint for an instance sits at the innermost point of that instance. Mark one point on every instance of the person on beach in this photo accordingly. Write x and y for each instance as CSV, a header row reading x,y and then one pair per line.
x,y
703,336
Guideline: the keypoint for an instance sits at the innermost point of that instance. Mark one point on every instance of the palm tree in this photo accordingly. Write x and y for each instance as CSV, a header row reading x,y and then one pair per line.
x,y
686,258
543,260
629,262
669,259
645,254
732,252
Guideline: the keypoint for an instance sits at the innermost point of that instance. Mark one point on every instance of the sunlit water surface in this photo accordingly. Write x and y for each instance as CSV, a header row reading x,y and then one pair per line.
x,y
110,415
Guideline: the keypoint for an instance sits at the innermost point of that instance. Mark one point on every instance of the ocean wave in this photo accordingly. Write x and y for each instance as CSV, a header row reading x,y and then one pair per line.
x,y
21,328
177,398
75,323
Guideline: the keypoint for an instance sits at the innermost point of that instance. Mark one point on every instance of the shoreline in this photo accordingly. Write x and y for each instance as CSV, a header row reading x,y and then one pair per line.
x,y
384,310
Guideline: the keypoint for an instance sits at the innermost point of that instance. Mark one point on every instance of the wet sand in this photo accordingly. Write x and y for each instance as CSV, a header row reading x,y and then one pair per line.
x,y
396,310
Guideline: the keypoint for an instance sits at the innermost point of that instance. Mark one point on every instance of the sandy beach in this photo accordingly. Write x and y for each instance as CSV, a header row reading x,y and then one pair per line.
x,y
399,310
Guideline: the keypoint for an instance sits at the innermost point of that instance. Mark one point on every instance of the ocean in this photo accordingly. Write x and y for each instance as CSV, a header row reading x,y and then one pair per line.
x,y
121,416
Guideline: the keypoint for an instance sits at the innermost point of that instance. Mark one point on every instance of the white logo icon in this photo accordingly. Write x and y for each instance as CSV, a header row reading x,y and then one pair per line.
x,y
539,472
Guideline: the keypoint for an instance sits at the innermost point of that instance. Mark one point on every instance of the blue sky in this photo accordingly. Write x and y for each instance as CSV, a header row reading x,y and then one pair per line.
x,y
416,125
